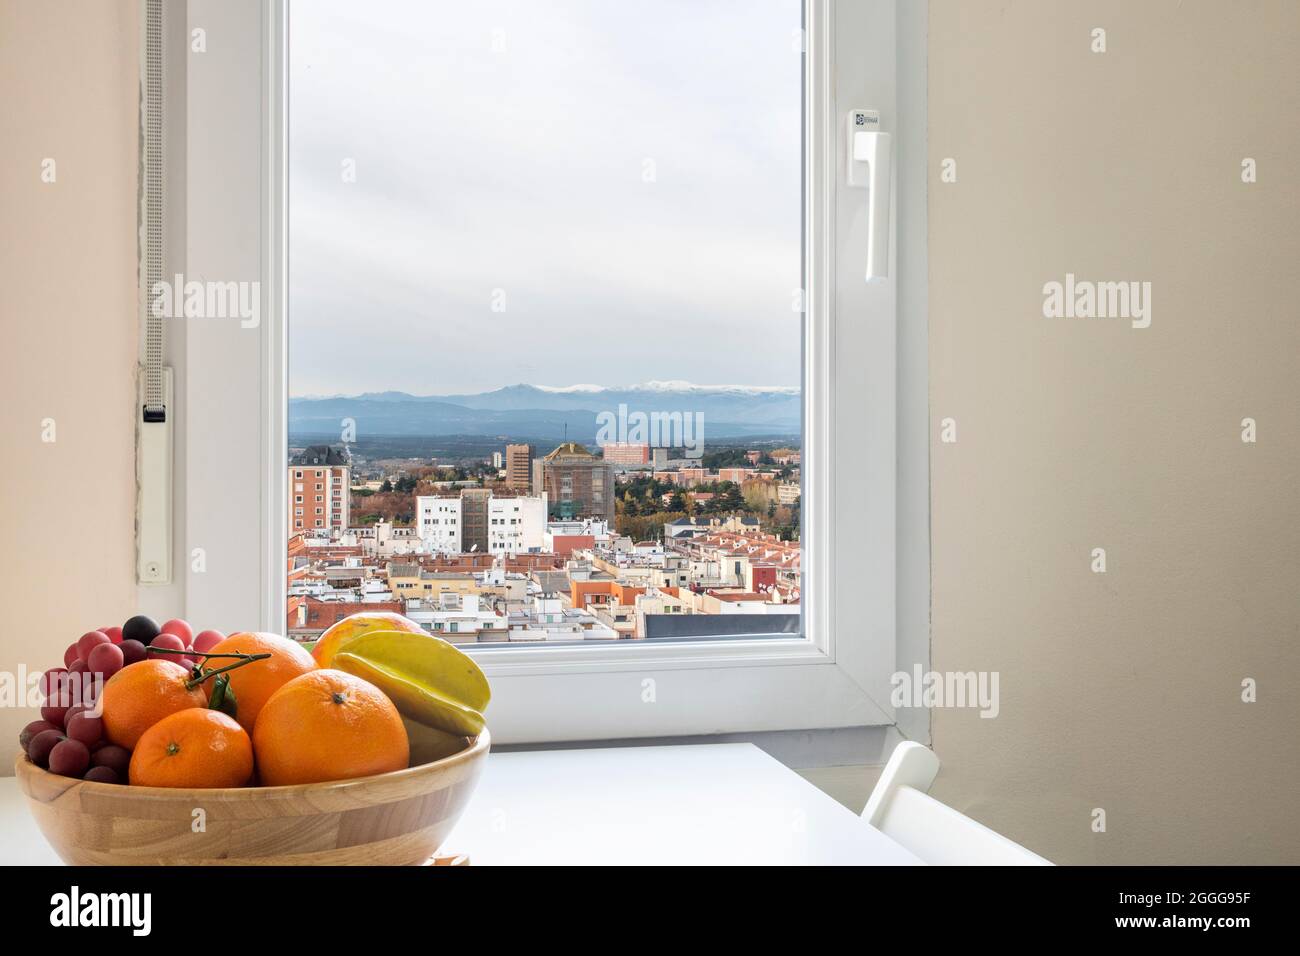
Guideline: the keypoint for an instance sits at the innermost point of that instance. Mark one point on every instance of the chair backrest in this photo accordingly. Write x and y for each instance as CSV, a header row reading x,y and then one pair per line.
x,y
903,810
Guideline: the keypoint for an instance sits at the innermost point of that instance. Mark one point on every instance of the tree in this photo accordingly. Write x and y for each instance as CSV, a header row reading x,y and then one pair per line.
x,y
757,495
386,487
728,498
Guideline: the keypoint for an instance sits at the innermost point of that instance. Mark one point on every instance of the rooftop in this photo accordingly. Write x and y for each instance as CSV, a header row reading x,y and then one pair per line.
x,y
323,455
570,449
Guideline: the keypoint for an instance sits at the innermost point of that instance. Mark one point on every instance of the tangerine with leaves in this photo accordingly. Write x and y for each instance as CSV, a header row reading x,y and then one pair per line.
x,y
254,684
196,748
328,725
138,696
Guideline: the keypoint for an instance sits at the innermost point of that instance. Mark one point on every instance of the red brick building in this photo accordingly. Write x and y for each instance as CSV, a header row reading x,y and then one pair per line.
x,y
307,614
623,453
577,483
320,480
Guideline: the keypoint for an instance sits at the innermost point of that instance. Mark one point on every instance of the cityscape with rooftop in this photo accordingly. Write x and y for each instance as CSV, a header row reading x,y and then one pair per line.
x,y
525,540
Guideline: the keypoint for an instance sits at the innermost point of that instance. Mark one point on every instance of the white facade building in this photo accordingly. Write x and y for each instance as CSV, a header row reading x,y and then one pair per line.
x,y
516,525
461,619
546,619
598,528
437,519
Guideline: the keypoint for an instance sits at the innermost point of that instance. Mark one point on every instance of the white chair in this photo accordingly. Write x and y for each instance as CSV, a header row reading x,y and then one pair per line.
x,y
903,810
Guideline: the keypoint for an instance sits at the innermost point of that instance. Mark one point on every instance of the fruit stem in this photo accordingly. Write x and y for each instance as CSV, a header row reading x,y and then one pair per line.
x,y
168,650
247,659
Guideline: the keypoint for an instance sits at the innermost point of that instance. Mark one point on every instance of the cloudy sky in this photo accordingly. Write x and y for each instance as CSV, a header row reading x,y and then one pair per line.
x,y
620,179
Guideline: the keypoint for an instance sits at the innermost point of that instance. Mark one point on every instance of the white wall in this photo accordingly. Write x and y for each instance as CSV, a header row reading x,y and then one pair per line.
x,y
527,533
68,321
439,521
1119,691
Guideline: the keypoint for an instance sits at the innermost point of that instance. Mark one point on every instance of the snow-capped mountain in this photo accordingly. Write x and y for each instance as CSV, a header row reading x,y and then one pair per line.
x,y
545,411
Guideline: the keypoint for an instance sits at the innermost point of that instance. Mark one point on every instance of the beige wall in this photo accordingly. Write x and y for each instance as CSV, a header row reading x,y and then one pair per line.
x,y
1120,690
70,75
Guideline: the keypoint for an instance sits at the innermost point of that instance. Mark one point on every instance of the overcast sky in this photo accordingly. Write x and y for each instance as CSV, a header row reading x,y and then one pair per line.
x,y
505,146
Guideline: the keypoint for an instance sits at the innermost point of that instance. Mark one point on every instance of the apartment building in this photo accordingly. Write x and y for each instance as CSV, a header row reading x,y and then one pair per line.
x,y
626,454
320,479
565,537
515,525
438,522
577,483
545,618
519,467
459,618
474,519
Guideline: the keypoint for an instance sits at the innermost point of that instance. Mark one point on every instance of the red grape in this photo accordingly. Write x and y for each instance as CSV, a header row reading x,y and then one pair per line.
x,y
28,733
85,728
69,758
168,642
132,652
78,667
207,640
114,633
53,682
180,628
72,712
71,654
106,659
101,775
39,749
117,759
88,642
54,715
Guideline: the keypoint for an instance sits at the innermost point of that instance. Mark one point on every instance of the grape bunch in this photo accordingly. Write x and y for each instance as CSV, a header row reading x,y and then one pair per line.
x,y
69,737
75,747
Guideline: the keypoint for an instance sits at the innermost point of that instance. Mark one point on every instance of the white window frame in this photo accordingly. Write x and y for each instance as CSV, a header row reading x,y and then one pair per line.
x,y
837,675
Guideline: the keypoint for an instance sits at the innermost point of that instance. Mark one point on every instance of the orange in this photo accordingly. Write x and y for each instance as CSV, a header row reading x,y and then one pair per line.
x,y
254,682
363,622
197,748
143,693
328,725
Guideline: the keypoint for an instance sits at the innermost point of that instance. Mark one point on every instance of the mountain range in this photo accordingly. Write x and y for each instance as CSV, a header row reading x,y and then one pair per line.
x,y
549,412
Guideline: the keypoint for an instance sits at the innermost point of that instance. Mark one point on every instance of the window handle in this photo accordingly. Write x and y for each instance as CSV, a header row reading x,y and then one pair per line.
x,y
869,168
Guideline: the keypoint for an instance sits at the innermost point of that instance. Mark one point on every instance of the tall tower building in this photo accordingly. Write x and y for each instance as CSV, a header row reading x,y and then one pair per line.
x,y
474,519
576,482
320,481
519,467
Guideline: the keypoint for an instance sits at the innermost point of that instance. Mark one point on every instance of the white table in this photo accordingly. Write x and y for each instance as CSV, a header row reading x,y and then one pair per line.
x,y
697,804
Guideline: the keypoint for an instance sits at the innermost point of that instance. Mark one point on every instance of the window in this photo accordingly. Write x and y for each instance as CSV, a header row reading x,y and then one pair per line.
x,y
552,206
643,301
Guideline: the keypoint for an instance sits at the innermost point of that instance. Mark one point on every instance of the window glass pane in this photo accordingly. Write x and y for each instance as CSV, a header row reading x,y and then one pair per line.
x,y
545,316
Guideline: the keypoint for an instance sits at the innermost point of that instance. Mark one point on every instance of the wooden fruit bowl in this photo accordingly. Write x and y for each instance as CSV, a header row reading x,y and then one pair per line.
x,y
394,819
